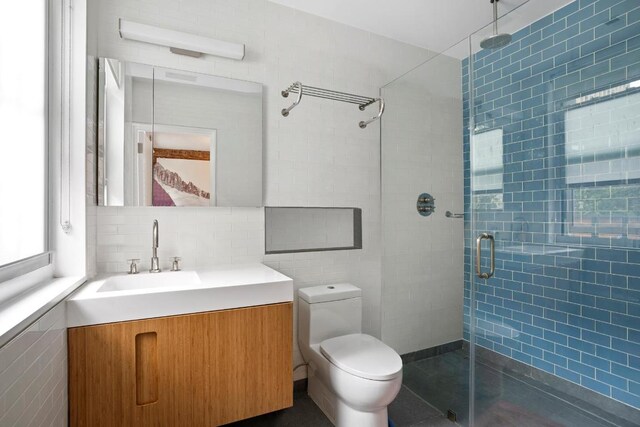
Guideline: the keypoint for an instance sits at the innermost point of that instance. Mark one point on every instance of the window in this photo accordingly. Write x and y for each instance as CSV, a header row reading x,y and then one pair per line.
x,y
603,169
487,170
23,130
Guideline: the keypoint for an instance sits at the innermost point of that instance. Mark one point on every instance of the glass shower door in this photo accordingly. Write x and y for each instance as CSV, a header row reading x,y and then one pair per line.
x,y
552,231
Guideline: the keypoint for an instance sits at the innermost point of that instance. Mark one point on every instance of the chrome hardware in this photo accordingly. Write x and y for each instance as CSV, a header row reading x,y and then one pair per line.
x,y
479,273
175,266
426,204
363,124
155,264
450,214
133,266
285,94
362,101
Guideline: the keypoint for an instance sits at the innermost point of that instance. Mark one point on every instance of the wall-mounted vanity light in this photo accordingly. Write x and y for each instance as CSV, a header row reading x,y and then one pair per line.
x,y
179,42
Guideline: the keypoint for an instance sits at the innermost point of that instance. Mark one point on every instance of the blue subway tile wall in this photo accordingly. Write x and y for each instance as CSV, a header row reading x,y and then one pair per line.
x,y
566,215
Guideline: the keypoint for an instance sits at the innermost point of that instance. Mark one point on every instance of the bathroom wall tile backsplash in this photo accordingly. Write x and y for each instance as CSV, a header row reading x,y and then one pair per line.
x,y
561,195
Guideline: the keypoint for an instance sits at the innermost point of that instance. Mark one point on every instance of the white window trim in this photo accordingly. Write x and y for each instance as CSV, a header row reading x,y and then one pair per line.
x,y
19,268
35,262
36,289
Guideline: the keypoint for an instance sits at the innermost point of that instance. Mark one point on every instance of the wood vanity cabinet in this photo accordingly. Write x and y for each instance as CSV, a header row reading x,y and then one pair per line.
x,y
203,369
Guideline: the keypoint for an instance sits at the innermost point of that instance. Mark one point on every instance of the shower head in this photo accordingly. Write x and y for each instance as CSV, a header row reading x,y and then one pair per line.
x,y
496,41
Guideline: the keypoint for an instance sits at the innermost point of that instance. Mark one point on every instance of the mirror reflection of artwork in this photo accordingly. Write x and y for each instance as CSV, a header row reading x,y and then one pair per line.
x,y
173,187
182,170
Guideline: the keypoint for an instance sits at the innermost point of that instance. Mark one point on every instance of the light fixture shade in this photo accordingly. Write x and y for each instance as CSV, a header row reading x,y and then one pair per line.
x,y
177,39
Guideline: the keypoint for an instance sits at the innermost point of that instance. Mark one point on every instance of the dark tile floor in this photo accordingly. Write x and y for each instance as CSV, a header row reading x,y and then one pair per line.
x,y
502,398
408,410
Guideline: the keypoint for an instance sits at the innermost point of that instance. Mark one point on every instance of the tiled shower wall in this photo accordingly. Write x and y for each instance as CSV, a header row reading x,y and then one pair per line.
x,y
565,212
318,156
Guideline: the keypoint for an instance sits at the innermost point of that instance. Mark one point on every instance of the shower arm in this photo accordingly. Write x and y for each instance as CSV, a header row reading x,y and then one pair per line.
x,y
363,124
495,17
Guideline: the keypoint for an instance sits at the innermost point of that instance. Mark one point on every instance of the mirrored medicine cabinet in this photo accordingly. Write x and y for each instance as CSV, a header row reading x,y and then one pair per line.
x,y
177,138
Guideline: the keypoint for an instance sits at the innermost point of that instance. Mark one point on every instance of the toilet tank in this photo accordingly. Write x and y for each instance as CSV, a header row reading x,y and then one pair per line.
x,y
328,311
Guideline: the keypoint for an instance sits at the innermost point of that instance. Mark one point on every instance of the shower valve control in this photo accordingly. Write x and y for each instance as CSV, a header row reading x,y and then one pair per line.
x,y
426,204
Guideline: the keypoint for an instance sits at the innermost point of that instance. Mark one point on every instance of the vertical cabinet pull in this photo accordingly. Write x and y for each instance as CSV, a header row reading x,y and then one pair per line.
x,y
479,273
146,368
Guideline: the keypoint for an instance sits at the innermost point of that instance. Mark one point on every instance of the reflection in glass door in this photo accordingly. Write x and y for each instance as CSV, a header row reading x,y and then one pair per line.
x,y
552,244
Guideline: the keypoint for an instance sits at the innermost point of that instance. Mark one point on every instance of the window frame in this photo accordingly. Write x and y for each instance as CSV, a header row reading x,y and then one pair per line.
x,y
35,262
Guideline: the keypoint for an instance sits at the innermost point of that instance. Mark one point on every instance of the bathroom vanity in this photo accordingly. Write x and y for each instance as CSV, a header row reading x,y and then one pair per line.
x,y
207,367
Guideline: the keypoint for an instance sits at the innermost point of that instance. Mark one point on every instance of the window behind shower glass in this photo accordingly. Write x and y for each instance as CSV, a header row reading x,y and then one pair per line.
x,y
23,131
603,166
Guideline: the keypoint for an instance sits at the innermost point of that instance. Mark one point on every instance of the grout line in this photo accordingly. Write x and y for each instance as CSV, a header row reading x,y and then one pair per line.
x,y
422,399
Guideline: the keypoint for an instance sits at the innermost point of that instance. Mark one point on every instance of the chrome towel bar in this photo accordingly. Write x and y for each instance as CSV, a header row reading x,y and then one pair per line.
x,y
362,101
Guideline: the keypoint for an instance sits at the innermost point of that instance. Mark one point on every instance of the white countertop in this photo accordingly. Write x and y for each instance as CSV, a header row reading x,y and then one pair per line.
x,y
218,288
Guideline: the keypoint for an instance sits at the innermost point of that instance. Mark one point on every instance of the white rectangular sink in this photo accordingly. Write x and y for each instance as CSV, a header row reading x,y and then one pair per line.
x,y
119,298
150,281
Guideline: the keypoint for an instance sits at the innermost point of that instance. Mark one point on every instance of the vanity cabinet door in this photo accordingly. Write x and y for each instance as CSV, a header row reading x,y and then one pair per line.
x,y
204,369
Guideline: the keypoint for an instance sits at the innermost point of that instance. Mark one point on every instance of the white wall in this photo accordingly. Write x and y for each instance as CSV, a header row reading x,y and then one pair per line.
x,y
318,156
33,374
423,256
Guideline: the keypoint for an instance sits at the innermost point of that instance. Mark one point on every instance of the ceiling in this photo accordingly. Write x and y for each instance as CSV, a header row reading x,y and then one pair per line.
x,y
430,24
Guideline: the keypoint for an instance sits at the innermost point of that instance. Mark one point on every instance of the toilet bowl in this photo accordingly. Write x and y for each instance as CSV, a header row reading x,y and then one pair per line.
x,y
352,376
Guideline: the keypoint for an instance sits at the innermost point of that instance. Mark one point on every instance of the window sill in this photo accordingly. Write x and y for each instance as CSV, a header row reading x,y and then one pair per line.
x,y
19,313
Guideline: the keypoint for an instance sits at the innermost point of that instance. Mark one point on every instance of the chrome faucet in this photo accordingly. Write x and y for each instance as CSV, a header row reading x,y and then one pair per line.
x,y
155,264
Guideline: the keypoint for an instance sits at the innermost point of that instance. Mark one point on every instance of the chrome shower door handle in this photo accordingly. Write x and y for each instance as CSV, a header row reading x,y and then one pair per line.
x,y
489,237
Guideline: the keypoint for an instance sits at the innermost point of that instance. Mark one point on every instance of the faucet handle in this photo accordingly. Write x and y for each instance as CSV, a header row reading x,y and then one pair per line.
x,y
176,263
133,265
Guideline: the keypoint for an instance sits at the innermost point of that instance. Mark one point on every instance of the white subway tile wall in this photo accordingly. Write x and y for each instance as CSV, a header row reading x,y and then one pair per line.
x,y
33,374
200,236
422,263
318,156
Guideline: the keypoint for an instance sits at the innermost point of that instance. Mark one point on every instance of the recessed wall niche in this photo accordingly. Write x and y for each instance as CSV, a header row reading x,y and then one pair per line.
x,y
311,229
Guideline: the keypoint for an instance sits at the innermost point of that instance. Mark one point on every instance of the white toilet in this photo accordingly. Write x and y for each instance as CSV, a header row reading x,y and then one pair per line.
x,y
352,376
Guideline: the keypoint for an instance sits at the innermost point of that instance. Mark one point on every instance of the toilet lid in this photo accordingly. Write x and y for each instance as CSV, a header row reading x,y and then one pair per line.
x,y
362,355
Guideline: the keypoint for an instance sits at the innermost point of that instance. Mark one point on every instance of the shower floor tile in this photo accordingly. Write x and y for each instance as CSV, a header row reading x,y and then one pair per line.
x,y
502,399
407,410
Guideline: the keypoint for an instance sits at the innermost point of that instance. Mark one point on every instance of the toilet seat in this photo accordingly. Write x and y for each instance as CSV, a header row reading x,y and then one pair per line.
x,y
363,356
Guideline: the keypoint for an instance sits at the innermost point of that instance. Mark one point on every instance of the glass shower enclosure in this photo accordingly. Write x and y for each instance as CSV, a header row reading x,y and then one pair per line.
x,y
526,311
